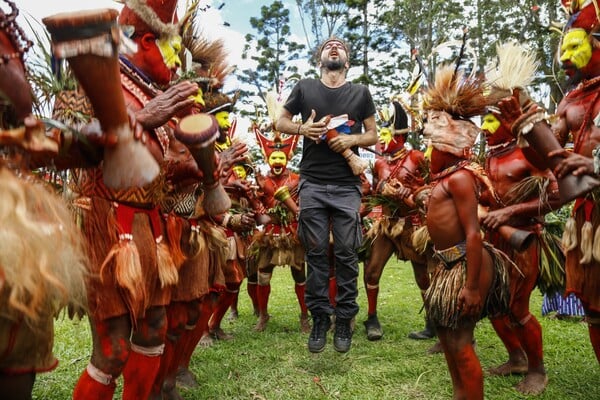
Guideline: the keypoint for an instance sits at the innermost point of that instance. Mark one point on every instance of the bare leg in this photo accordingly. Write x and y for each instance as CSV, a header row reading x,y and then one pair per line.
x,y
530,335
517,360
463,363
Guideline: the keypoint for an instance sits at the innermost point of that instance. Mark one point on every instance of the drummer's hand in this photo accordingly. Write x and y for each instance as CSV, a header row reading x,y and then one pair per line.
x,y
136,127
93,132
235,153
510,110
571,163
167,104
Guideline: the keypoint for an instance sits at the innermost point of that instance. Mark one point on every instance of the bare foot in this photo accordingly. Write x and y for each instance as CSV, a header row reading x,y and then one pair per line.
x,y
262,323
436,348
533,384
206,341
233,315
304,324
220,334
186,379
509,368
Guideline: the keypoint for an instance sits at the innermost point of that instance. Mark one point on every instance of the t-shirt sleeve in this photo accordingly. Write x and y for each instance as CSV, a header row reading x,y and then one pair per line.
x,y
369,104
294,101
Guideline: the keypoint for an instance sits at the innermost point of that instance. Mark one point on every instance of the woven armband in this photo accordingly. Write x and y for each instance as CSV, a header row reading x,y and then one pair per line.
x,y
524,124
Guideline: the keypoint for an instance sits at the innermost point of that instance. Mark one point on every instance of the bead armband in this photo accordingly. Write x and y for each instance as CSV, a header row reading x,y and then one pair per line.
x,y
524,124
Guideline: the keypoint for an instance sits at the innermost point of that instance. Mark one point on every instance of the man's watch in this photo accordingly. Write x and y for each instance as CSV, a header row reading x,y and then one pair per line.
x,y
596,156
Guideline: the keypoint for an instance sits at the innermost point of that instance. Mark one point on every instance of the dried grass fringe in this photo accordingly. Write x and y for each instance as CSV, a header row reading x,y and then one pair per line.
x,y
167,270
125,260
42,261
569,237
441,299
420,239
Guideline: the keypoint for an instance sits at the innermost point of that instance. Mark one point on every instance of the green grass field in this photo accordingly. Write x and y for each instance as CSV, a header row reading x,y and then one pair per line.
x,y
276,364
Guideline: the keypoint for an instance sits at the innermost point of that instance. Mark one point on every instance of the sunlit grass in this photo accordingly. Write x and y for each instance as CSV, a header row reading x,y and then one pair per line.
x,y
276,364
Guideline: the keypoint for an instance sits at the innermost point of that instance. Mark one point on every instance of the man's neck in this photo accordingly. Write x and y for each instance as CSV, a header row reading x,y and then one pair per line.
x,y
333,79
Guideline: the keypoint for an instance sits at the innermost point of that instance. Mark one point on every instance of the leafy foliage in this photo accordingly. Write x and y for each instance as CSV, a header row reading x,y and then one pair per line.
x,y
390,38
271,48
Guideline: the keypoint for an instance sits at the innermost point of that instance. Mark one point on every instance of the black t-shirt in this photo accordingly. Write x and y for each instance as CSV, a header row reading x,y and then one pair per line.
x,y
319,163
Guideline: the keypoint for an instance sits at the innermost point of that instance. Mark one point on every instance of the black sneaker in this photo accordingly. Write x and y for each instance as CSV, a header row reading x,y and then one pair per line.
x,y
342,338
318,335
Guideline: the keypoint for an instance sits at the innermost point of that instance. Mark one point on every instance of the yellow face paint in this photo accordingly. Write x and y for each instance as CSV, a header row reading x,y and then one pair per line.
x,y
385,135
239,171
223,119
277,158
576,48
199,97
170,48
223,146
490,123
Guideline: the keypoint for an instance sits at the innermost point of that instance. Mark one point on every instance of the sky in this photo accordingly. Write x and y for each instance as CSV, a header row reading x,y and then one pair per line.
x,y
235,13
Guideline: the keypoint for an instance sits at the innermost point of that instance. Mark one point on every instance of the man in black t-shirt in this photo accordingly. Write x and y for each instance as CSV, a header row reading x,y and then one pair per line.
x,y
330,193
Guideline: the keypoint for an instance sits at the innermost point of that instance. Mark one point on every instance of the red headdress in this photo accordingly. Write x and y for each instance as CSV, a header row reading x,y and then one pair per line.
x,y
268,146
150,16
584,14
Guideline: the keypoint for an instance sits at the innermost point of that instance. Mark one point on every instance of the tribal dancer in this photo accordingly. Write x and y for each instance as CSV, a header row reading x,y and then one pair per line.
x,y
42,260
130,288
471,277
514,221
239,222
576,117
396,175
277,244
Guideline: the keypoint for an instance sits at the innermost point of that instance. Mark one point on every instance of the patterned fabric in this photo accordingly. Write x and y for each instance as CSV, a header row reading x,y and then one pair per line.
x,y
569,305
451,255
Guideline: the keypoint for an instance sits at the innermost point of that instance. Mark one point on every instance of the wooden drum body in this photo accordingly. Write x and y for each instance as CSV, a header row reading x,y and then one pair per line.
x,y
89,41
199,132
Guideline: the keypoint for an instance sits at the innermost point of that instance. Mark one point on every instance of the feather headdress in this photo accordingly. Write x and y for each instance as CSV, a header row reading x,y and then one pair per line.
x,y
450,101
455,93
274,105
514,67
209,57
209,63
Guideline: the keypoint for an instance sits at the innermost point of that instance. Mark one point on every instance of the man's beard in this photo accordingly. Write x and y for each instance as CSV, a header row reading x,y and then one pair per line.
x,y
334,65
574,79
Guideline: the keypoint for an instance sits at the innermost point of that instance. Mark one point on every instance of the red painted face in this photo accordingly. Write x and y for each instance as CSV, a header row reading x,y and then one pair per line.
x,y
495,132
592,69
152,61
390,143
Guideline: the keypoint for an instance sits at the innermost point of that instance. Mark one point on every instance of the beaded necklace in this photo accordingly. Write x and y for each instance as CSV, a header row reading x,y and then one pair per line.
x,y
15,33
142,89
449,170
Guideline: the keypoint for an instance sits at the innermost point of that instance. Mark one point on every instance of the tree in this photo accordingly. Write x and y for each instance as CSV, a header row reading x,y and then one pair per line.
x,y
272,50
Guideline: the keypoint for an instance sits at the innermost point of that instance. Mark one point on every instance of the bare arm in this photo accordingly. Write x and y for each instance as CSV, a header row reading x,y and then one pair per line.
x,y
310,128
364,139
538,206
462,188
